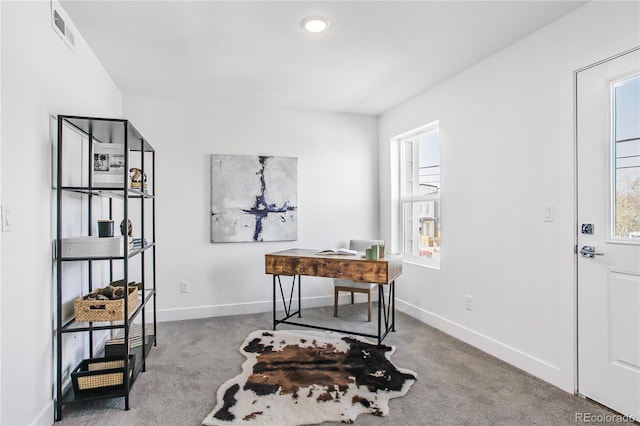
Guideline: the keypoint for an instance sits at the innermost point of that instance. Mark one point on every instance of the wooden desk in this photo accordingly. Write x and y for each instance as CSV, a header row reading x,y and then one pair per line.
x,y
298,262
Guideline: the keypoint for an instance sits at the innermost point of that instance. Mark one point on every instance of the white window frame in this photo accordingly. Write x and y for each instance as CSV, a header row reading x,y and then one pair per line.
x,y
409,200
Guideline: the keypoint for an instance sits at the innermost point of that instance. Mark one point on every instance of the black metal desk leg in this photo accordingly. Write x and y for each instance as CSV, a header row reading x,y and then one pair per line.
x,y
274,302
393,301
299,297
380,298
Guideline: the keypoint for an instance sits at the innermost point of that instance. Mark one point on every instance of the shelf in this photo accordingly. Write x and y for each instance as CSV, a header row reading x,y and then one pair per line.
x,y
142,304
137,251
117,193
110,130
131,151
70,395
132,253
73,326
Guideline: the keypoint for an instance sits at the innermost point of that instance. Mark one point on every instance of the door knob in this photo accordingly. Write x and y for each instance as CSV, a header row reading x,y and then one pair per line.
x,y
589,251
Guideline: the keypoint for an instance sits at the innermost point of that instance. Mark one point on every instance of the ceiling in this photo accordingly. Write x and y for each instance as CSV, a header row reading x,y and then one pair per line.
x,y
375,54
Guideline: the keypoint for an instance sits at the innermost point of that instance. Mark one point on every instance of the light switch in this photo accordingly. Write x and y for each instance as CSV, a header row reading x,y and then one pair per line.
x,y
549,213
7,218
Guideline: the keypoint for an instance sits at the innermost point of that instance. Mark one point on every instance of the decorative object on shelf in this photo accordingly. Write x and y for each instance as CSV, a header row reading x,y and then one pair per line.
x,y
108,293
137,242
120,283
253,198
105,228
137,178
128,229
96,306
100,374
92,247
308,377
108,165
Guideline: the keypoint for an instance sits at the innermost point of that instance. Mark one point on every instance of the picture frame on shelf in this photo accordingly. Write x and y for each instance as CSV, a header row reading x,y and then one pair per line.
x,y
108,165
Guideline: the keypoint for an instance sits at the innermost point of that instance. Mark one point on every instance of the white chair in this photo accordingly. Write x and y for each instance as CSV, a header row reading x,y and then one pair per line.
x,y
351,286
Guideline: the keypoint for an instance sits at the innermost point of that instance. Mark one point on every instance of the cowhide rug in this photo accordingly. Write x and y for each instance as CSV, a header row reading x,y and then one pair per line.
x,y
295,377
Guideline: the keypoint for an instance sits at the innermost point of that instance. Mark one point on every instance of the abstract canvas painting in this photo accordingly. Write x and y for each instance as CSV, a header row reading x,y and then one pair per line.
x,y
253,198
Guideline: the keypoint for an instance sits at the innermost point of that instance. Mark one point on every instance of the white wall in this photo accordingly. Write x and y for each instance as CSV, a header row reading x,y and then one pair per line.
x,y
506,129
337,197
41,76
0,202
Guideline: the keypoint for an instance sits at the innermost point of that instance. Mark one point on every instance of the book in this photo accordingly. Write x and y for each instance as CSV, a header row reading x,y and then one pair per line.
x,y
115,346
337,251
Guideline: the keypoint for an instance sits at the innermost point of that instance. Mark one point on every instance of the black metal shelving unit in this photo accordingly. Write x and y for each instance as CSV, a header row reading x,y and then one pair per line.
x,y
121,132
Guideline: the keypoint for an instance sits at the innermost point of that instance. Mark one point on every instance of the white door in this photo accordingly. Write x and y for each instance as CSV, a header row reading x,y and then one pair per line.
x,y
608,164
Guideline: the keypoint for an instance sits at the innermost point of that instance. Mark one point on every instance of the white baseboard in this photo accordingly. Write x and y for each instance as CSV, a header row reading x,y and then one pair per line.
x,y
532,365
208,311
45,417
179,314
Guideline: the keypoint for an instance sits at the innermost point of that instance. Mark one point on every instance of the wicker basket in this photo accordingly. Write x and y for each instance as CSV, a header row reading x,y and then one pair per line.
x,y
92,310
100,374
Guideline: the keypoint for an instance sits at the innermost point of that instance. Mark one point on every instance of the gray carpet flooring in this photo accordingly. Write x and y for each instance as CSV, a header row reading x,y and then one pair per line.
x,y
457,384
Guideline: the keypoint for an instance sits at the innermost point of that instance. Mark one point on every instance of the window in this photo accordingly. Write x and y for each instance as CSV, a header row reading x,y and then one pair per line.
x,y
420,194
626,159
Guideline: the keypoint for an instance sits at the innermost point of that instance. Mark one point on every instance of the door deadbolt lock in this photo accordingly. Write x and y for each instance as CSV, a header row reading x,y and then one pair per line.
x,y
587,228
589,252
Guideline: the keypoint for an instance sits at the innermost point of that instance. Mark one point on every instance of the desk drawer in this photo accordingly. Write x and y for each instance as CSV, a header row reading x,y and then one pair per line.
x,y
361,271
283,265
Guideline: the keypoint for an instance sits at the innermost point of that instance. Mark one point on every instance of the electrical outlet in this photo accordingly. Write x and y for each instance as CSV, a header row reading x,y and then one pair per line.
x,y
184,286
467,302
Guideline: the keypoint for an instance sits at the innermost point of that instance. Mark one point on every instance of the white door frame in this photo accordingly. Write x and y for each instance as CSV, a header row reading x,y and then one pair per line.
x,y
575,201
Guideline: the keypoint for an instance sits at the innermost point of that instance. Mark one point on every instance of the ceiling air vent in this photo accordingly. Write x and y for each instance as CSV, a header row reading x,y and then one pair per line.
x,y
60,24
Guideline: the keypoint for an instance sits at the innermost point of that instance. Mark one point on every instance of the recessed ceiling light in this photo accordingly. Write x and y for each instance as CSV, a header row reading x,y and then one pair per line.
x,y
315,24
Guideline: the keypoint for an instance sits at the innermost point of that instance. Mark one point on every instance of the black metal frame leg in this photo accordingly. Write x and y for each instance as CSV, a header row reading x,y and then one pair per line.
x,y
287,304
386,311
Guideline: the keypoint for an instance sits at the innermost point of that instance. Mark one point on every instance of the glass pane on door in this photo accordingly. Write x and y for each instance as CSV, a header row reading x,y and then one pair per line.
x,y
626,138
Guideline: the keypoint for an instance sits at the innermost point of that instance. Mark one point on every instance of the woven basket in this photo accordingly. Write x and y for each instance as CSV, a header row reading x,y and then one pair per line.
x,y
100,373
104,310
